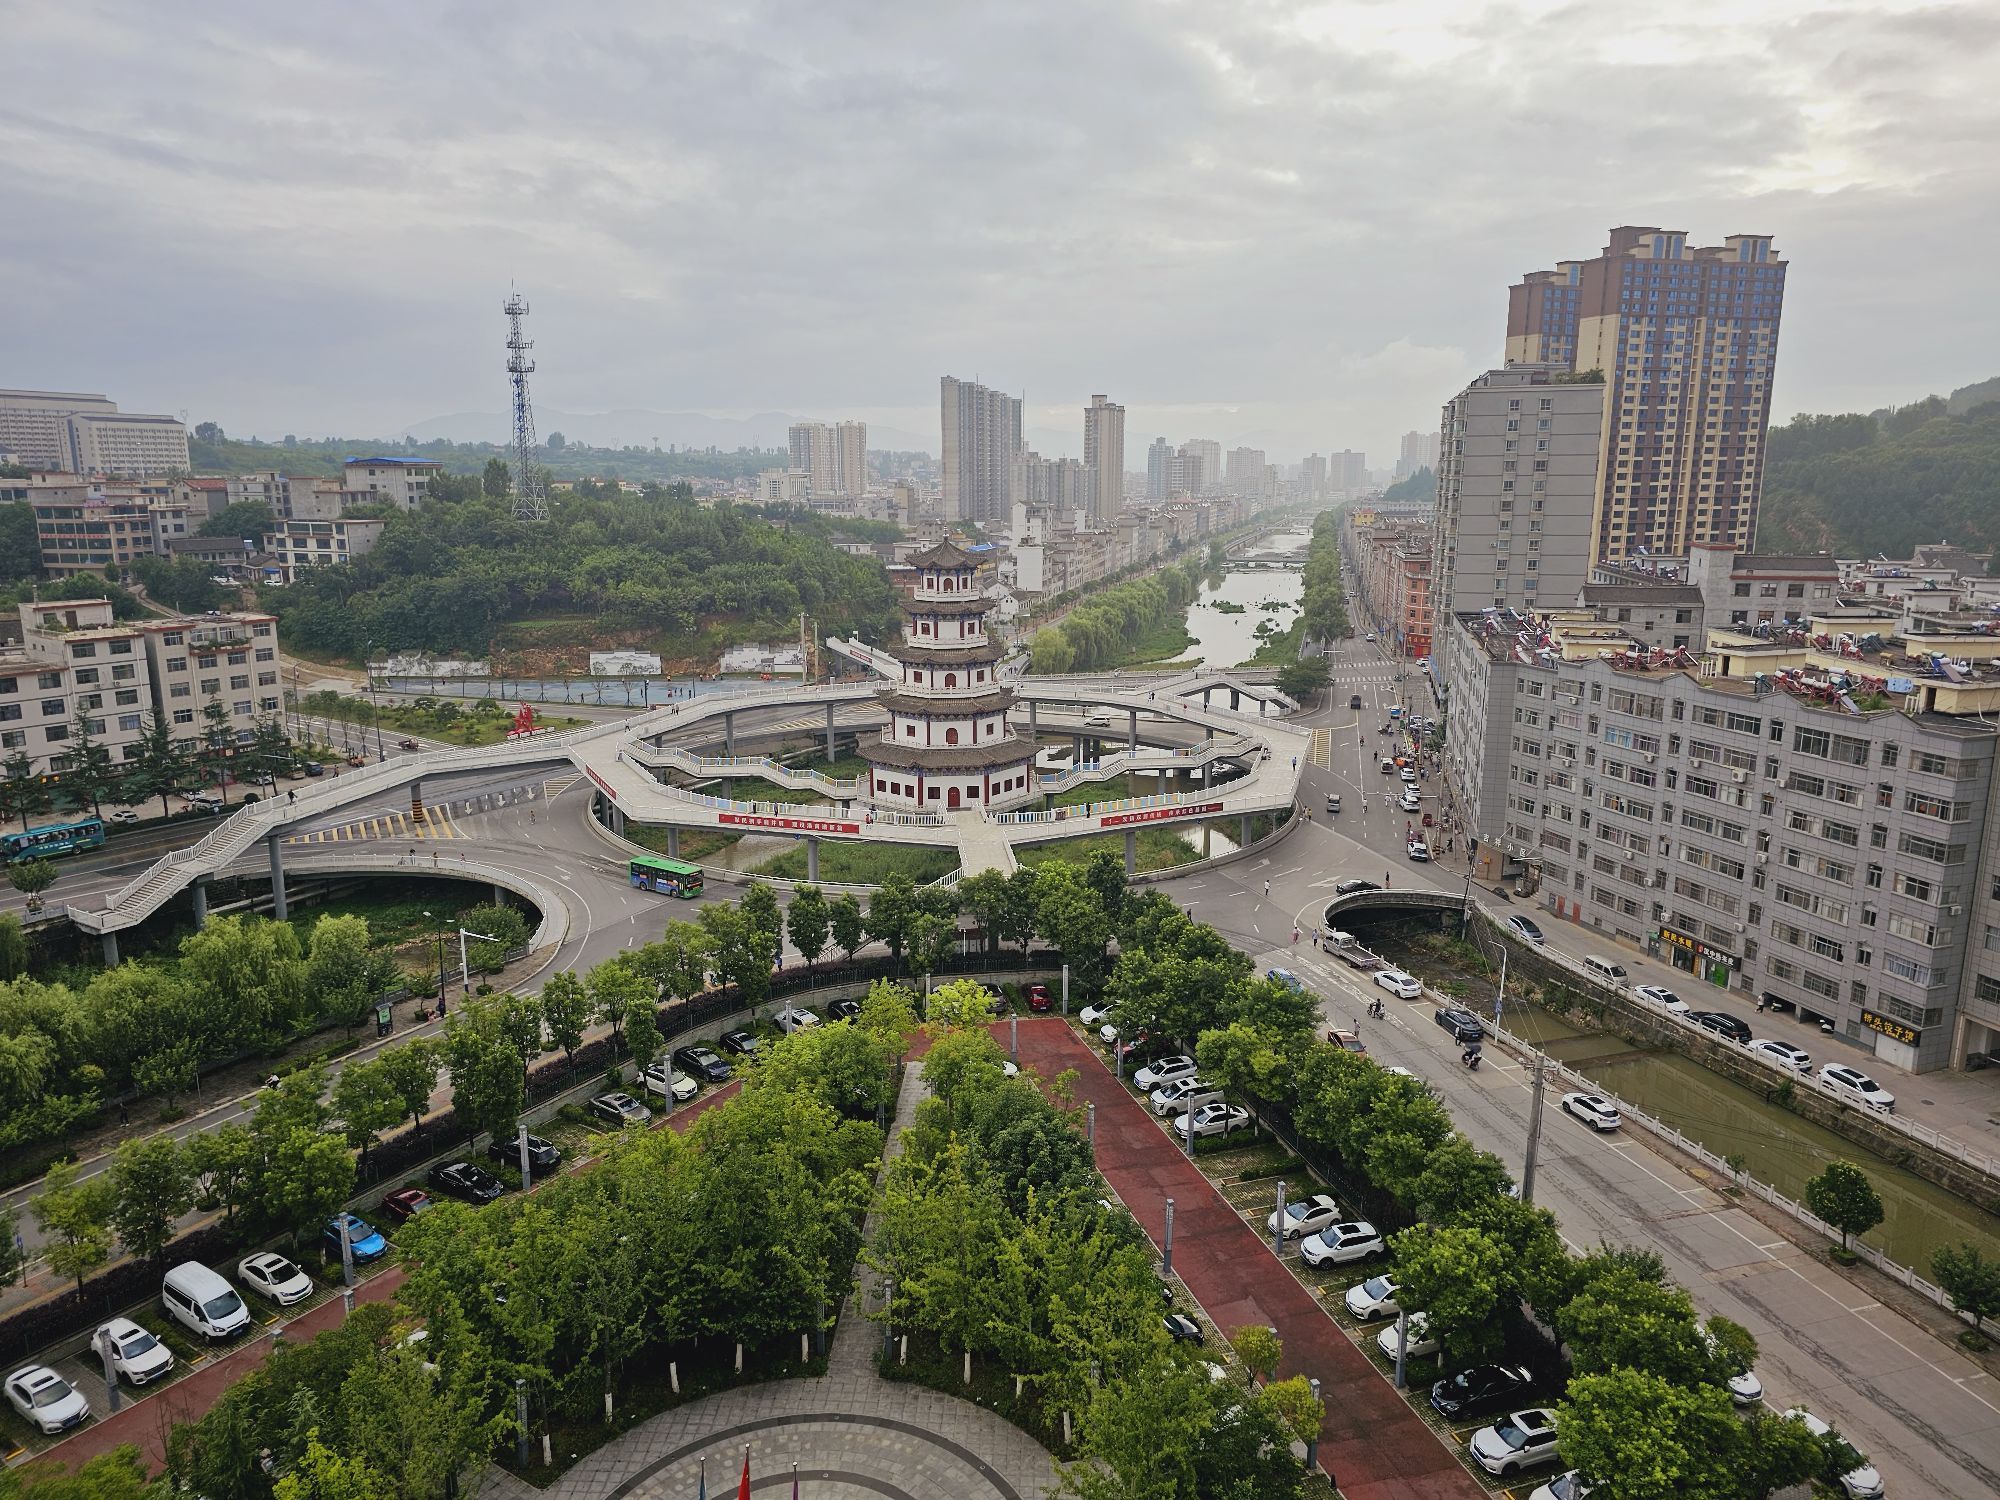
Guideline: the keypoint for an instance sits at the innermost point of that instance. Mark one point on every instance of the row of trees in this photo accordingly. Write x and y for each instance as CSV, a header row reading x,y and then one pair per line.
x,y
1099,632
1323,609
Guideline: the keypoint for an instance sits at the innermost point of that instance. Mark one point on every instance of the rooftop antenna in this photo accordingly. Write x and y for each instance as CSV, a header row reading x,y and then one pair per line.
x,y
530,503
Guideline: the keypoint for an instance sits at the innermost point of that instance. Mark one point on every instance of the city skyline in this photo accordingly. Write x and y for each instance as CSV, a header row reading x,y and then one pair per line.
x,y
1844,135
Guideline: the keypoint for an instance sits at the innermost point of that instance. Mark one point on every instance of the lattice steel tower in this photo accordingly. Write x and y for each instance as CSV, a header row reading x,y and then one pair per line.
x,y
530,501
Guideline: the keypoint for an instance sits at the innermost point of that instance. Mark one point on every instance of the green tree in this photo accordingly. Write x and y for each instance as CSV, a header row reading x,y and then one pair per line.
x,y
1460,1279
1970,1278
412,1070
117,1475
13,947
365,1102
487,1089
344,971
765,924
223,1162
76,1217
808,922
172,1071
11,1254
891,909
304,1180
31,877
162,767
1259,1348
847,924
678,962
25,793
1638,1436
1843,1196
322,1474
251,973
737,952
565,1009
497,480
617,989
239,520
960,1004
1002,907
507,928
1071,916
931,940
151,1188
1622,1320
642,1030
88,776
1300,679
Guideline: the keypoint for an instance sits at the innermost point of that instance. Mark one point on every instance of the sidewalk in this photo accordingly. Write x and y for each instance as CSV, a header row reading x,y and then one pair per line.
x,y
1373,1444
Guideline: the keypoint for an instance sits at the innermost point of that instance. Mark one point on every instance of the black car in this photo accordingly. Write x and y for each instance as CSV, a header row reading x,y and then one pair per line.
x,y
542,1155
844,1010
1349,887
1182,1327
461,1179
1722,1025
702,1063
1462,1024
1354,700
742,1043
1479,1390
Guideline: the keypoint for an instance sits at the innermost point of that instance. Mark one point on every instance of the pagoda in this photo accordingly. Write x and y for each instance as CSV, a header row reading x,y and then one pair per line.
x,y
948,745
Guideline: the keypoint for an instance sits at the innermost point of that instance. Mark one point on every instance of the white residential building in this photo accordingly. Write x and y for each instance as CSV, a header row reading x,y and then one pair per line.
x,y
402,482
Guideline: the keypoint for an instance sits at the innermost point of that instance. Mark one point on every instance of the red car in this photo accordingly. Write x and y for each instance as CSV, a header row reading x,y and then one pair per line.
x,y
405,1204
1038,998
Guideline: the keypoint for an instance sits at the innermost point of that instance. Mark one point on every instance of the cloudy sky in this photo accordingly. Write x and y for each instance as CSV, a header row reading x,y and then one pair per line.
x,y
1252,220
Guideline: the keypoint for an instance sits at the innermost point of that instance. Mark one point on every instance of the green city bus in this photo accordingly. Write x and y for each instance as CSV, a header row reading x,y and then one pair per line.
x,y
670,877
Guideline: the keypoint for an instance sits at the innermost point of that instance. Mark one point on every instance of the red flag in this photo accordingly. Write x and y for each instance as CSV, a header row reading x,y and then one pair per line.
x,y
743,1488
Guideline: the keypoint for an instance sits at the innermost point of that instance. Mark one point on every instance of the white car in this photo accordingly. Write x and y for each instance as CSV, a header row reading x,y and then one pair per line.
x,y
1168,1096
654,1081
1858,1086
1409,801
1516,1442
1421,1342
1094,1015
45,1400
1400,1071
1371,1299
1307,1216
1660,995
1009,1068
1409,776
792,1019
269,1274
1215,1119
123,815
1746,1389
1563,1487
1402,986
135,1353
1420,852
1594,1110
1861,1483
1166,1070
1339,1243
1784,1054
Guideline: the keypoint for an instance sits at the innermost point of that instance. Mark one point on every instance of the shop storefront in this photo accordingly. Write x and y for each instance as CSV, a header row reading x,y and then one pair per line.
x,y
1692,956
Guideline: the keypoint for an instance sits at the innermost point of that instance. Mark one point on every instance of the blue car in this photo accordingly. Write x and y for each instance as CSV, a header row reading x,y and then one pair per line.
x,y
364,1237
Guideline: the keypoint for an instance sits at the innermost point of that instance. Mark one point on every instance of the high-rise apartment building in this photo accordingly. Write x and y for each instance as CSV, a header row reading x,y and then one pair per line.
x,y
1686,340
1159,470
1312,475
88,435
1420,451
1517,484
1245,474
1206,453
1347,472
1104,451
982,448
833,457
850,449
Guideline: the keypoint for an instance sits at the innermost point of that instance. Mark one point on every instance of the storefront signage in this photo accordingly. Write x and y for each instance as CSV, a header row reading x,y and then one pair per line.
x,y
1894,1030
1698,948
794,825
1155,814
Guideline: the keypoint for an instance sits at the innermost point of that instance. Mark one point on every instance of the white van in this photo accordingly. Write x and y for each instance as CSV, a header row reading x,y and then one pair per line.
x,y
1605,971
202,1302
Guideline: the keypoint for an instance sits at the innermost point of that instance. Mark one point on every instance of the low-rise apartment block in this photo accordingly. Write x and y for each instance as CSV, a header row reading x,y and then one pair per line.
x,y
75,666
402,482
296,546
227,658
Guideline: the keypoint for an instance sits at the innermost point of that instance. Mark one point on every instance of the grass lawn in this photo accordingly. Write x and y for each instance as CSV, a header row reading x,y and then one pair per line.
x,y
864,864
466,727
394,909
697,844
1143,784
1158,849
1163,643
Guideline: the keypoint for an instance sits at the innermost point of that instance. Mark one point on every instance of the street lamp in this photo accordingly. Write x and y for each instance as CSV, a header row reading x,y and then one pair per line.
x,y
437,924
374,709
464,968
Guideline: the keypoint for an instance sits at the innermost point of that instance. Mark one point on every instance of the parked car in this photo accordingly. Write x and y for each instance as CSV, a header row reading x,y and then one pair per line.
x,y
1409,801
202,1302
1461,1023
364,1240
1094,1015
843,1010
1040,1001
202,801
1408,775
703,1063
1168,1097
1569,1486
1660,995
406,743
312,768
654,1081
1353,887
1306,1216
1215,1119
1783,1053
1858,1483
1524,929
742,1043
45,1400
135,1353
1166,1070
123,815
1346,1041
1402,986
404,1204
463,1180
1721,1023
277,1279
1183,1328
1338,1244
1858,1086
1479,1390
1421,1342
543,1156
794,1018
1372,1299
261,778
1517,1441
619,1109
1594,1110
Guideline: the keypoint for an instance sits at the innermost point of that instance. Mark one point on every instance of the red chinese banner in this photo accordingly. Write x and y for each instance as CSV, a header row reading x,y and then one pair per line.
x,y
795,825
1155,814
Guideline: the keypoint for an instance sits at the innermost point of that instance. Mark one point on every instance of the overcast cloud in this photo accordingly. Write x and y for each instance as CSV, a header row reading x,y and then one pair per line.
x,y
1289,223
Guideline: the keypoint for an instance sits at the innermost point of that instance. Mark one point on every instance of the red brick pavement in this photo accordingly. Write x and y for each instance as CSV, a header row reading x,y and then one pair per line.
x,y
1372,1443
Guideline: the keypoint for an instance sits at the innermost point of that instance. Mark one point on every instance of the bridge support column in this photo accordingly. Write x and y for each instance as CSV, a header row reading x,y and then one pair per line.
x,y
812,859
1235,701
199,890
110,942
729,732
1243,832
1131,730
278,909
417,800
673,843
829,733
1131,851
1076,759
1034,723
618,820
499,895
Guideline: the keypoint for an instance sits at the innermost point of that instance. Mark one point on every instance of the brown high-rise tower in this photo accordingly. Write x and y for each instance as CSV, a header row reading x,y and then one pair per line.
x,y
1686,340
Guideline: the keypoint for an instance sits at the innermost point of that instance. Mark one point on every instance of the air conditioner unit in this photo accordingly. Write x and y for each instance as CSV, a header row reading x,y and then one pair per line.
x,y
1737,777
1651,758
1741,928
1955,911
1763,859
1695,762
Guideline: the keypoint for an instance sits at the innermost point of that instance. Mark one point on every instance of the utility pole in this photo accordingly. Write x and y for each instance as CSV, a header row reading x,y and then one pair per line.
x,y
1534,1131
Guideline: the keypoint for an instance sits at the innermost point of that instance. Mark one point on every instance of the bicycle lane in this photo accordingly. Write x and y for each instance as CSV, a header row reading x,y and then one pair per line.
x,y
1372,1443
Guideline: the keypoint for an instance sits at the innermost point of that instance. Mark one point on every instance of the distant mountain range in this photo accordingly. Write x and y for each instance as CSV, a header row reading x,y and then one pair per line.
x,y
621,429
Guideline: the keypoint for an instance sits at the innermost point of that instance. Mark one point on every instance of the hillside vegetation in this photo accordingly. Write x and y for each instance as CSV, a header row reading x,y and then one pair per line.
x,y
1859,485
212,451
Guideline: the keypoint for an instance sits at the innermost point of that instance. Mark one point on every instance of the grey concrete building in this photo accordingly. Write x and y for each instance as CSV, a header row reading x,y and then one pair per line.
x,y
1669,615
981,431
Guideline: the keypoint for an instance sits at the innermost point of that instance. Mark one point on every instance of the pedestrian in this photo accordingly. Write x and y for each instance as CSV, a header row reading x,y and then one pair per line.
x,y
1295,935
1388,880
1267,890
125,1113
292,795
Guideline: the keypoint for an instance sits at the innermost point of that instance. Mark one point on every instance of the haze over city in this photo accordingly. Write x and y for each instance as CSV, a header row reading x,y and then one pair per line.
x,y
1290,225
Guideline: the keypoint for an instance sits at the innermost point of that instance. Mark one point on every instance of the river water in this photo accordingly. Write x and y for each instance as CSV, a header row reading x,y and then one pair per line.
x,y
1225,639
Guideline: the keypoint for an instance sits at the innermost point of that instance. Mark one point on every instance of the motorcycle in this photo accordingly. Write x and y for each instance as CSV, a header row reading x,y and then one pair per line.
x,y
1470,1057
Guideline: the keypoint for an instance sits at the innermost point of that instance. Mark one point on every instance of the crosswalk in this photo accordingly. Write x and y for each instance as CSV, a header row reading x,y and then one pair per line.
x,y
1364,677
436,823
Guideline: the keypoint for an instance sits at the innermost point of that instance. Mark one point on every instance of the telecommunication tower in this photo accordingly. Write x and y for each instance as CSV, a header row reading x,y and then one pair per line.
x,y
530,502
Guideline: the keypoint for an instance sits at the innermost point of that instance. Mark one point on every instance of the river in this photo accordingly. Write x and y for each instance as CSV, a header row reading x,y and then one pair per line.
x,y
1223,638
